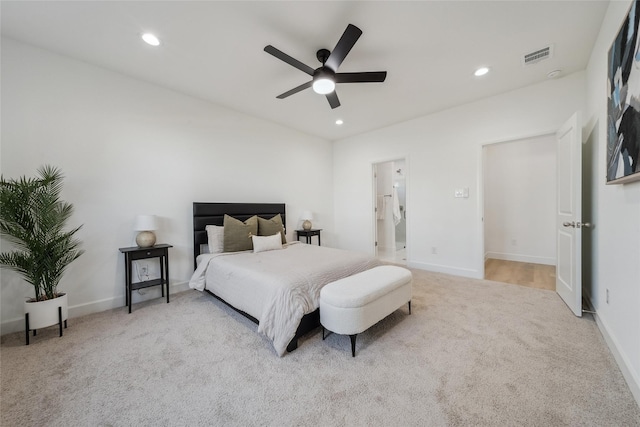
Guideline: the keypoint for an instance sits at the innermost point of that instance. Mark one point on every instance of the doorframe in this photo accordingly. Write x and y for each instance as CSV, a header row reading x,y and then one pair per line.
x,y
480,189
407,184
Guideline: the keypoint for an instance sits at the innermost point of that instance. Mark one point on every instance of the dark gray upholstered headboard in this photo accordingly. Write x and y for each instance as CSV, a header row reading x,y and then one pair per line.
x,y
213,214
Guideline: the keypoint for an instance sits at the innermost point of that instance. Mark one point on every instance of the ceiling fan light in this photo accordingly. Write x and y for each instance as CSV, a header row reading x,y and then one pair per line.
x,y
323,85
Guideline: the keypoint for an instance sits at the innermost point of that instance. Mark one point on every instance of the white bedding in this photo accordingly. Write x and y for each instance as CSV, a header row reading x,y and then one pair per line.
x,y
277,287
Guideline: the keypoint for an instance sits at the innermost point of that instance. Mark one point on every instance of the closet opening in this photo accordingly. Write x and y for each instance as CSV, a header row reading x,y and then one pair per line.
x,y
520,211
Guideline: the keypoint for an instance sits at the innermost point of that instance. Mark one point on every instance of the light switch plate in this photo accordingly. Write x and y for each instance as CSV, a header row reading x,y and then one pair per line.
x,y
461,193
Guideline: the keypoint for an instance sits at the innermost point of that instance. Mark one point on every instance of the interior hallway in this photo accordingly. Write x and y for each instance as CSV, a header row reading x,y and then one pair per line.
x,y
539,276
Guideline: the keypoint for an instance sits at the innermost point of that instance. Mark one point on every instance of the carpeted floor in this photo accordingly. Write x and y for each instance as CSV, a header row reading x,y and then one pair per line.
x,y
472,353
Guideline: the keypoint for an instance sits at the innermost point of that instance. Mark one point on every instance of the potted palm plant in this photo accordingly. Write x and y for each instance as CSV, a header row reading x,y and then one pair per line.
x,y
33,219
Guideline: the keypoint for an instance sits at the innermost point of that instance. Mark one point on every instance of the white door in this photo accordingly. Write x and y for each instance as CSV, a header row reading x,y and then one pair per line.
x,y
569,214
375,209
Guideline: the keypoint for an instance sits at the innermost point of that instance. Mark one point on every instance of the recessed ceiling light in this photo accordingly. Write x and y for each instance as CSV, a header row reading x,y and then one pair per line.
x,y
339,122
481,71
553,74
151,39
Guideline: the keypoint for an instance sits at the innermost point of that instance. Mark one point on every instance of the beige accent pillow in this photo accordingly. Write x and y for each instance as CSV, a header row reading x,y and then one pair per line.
x,y
269,227
237,234
215,234
266,243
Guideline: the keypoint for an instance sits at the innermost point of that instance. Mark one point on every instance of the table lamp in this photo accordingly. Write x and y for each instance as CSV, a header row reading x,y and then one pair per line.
x,y
146,224
306,216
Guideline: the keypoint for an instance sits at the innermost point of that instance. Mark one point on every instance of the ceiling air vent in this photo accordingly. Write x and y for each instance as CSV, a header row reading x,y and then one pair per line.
x,y
538,55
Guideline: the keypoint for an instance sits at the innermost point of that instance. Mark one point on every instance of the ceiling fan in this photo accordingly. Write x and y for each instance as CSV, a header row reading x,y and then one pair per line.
x,y
324,78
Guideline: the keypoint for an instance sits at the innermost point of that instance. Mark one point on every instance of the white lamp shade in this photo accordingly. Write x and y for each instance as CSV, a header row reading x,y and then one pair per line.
x,y
306,216
145,223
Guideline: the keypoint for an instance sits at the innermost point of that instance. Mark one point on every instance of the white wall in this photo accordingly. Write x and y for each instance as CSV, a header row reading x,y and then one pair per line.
x,y
443,153
128,147
520,200
615,240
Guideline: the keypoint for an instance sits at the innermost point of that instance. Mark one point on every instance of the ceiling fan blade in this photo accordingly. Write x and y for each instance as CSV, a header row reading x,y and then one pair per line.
x,y
365,77
346,42
295,90
333,99
289,60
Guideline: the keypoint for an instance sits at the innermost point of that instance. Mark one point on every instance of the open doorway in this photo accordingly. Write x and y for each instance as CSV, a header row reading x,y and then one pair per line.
x,y
520,186
390,184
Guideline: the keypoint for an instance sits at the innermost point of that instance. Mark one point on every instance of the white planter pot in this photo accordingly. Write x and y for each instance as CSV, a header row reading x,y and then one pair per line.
x,y
45,313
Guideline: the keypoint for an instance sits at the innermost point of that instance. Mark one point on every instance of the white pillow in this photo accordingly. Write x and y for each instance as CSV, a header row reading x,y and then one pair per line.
x,y
215,233
266,243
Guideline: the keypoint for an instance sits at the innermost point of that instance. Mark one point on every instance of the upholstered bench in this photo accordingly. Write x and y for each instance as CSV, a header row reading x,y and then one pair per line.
x,y
352,305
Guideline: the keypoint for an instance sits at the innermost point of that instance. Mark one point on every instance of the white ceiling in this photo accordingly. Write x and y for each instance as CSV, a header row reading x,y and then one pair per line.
x,y
213,50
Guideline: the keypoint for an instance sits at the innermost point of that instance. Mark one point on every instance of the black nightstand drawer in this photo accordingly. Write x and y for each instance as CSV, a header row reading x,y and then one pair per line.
x,y
147,253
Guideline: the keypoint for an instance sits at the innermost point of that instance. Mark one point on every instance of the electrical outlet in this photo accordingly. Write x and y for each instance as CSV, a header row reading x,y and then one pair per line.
x,y
434,250
607,296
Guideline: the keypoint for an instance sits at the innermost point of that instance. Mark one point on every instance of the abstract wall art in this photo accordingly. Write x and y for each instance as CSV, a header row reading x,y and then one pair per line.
x,y
623,111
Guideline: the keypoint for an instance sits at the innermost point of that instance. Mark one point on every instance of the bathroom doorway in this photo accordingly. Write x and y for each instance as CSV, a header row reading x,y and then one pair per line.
x,y
390,211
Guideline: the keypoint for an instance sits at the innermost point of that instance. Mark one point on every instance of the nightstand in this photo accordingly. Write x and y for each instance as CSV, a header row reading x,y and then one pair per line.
x,y
136,253
308,234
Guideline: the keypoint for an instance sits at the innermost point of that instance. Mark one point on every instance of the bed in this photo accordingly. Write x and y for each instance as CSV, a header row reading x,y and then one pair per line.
x,y
277,289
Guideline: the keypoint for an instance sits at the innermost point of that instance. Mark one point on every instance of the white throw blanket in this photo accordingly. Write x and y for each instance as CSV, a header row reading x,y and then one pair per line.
x,y
277,287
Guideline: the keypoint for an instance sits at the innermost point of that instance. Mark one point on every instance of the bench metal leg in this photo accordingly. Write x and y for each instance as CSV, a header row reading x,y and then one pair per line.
x,y
353,344
325,333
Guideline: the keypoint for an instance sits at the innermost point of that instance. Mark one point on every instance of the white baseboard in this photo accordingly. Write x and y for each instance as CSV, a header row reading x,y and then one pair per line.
x,y
631,377
17,324
520,258
456,271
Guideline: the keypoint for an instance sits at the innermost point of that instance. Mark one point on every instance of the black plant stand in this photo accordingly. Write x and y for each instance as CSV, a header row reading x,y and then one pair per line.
x,y
60,322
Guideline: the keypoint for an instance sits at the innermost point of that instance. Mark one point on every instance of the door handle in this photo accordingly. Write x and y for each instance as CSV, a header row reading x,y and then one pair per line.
x,y
577,224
